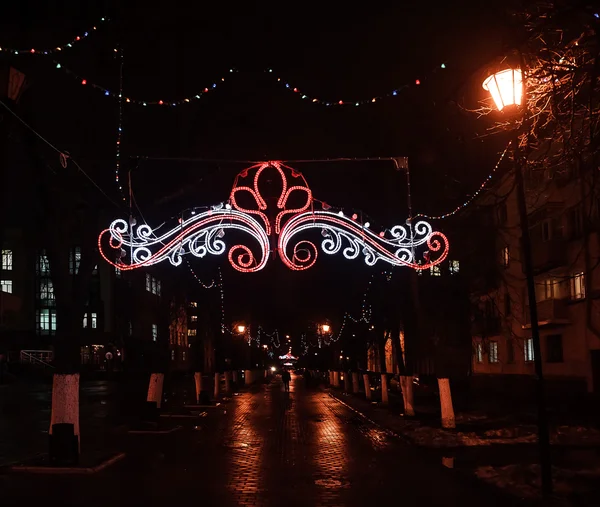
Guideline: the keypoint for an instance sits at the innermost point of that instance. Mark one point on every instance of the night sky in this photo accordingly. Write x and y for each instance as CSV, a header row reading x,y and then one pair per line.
x,y
333,53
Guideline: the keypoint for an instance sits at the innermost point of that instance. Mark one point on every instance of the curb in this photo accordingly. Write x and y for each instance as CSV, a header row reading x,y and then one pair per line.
x,y
67,470
154,432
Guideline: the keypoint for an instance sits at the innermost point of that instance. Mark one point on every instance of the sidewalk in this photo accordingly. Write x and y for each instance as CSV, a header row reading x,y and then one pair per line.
x,y
496,450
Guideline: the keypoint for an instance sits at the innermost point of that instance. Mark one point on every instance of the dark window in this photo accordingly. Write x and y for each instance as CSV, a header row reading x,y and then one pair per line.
x,y
507,304
510,351
502,214
554,348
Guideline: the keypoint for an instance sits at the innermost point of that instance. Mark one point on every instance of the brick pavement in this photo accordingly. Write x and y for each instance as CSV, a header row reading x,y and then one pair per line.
x,y
265,448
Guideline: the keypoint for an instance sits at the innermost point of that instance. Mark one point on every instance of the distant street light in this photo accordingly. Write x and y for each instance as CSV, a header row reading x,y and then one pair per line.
x,y
241,329
508,89
326,328
265,347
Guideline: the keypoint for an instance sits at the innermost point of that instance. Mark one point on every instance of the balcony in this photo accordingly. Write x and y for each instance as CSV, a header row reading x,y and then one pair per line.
x,y
485,326
550,311
548,254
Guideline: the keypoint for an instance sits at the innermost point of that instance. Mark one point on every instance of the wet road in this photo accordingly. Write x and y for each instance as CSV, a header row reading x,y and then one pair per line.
x,y
264,447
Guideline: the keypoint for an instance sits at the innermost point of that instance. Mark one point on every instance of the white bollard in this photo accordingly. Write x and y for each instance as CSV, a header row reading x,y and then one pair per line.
x,y
448,420
235,376
336,379
248,377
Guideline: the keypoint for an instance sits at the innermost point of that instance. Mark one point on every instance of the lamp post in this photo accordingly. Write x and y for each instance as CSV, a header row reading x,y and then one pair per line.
x,y
507,89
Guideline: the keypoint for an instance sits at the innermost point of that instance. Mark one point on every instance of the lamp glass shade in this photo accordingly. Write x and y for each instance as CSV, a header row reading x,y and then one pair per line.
x,y
505,87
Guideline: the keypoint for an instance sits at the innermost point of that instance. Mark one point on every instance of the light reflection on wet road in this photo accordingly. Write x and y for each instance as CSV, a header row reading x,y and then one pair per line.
x,y
269,448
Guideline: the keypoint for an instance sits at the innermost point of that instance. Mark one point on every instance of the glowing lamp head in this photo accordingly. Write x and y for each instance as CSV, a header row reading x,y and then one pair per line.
x,y
265,347
505,87
241,329
326,328
273,368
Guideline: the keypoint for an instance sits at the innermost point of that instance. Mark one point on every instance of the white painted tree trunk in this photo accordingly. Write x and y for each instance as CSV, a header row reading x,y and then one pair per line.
x,y
368,394
65,401
217,390
406,383
384,389
347,382
336,379
355,387
155,388
330,378
198,382
234,376
248,377
228,382
448,420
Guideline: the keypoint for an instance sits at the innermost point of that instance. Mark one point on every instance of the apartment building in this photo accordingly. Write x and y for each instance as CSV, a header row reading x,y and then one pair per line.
x,y
564,218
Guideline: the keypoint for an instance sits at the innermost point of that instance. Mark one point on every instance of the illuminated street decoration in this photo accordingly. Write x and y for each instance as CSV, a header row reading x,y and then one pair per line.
x,y
289,215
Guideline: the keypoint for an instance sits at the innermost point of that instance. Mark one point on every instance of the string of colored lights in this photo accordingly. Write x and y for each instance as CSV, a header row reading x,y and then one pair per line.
x,y
222,301
129,100
354,103
475,194
293,89
211,285
57,49
119,55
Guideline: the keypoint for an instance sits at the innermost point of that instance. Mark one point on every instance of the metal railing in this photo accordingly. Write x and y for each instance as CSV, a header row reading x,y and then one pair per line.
x,y
39,357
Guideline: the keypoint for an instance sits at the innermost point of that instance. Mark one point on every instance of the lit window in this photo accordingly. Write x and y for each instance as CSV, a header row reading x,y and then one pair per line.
x,y
92,322
6,286
528,349
130,328
193,318
7,260
46,290
183,355
46,321
549,288
193,304
172,355
493,356
154,332
454,267
479,353
43,264
152,284
191,332
505,258
74,260
578,286
435,271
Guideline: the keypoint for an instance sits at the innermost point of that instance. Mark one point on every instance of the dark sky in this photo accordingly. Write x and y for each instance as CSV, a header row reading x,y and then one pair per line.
x,y
172,50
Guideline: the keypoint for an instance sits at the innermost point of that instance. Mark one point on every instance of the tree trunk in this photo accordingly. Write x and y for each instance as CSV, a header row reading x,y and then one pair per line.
x,y
217,385
355,381
367,383
448,420
228,382
155,388
65,402
406,384
198,384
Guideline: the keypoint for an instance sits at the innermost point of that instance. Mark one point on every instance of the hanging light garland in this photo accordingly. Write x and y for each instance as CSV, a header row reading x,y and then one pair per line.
x,y
475,194
196,96
57,49
129,100
222,301
119,55
211,285
353,103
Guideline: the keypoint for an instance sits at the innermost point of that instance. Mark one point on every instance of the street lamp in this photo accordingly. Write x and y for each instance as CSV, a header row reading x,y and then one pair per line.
x,y
507,88
241,329
326,328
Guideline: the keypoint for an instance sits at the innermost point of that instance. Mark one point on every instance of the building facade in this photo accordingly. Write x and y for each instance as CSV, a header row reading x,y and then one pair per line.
x,y
564,219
